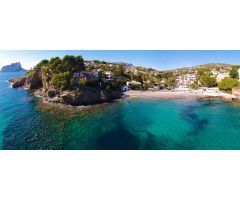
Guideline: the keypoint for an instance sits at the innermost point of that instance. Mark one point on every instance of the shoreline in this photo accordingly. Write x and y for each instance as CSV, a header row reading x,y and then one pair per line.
x,y
131,94
46,103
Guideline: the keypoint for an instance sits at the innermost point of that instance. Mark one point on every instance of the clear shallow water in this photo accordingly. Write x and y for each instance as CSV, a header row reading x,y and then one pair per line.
x,y
127,124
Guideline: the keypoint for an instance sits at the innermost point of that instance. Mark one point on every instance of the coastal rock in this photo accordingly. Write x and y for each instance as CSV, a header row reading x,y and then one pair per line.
x,y
236,92
52,93
34,81
78,97
45,82
18,82
111,95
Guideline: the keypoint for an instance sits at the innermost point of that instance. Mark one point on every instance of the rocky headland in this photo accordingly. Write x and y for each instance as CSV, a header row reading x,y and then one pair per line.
x,y
14,67
66,81
41,87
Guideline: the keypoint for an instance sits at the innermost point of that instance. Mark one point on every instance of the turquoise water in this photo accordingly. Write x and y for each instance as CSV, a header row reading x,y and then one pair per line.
x,y
126,124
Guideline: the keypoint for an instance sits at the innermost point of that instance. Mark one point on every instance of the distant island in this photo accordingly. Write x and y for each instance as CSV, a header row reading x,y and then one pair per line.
x,y
71,80
14,67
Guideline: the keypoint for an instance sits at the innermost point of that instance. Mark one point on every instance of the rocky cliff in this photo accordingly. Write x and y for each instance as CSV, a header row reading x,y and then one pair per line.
x,y
33,81
75,97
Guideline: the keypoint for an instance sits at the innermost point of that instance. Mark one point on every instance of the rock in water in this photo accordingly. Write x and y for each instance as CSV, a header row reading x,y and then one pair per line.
x,y
14,67
33,81
18,82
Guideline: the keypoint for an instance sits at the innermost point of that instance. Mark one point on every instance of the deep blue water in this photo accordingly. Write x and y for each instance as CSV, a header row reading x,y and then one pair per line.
x,y
126,124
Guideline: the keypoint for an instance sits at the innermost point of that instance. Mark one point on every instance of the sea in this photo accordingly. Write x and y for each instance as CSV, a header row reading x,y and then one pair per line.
x,y
127,124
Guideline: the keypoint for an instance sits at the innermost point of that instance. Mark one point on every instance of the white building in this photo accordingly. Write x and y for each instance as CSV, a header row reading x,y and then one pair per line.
x,y
109,75
221,76
186,79
132,83
95,74
239,73
214,72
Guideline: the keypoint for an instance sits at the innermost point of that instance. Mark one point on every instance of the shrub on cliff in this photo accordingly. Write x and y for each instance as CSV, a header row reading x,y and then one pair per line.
x,y
82,82
41,64
72,64
233,73
207,80
228,84
61,80
57,65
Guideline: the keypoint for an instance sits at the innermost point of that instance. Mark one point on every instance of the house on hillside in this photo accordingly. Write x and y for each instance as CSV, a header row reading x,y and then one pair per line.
x,y
78,75
214,72
109,75
221,76
95,74
86,75
185,80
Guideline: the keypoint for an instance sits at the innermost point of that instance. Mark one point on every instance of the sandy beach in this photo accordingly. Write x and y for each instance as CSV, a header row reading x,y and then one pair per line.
x,y
174,94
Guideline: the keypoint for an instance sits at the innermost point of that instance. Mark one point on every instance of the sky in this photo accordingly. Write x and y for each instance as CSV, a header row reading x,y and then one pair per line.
x,y
158,59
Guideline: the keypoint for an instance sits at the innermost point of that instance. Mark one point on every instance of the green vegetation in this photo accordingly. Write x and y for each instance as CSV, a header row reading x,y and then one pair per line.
x,y
203,70
118,71
60,71
233,73
228,83
57,65
194,86
29,73
207,80
169,77
61,80
43,63
82,81
170,82
137,87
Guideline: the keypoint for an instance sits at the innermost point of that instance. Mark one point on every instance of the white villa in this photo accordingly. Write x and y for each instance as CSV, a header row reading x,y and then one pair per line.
x,y
109,75
186,79
87,74
214,72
